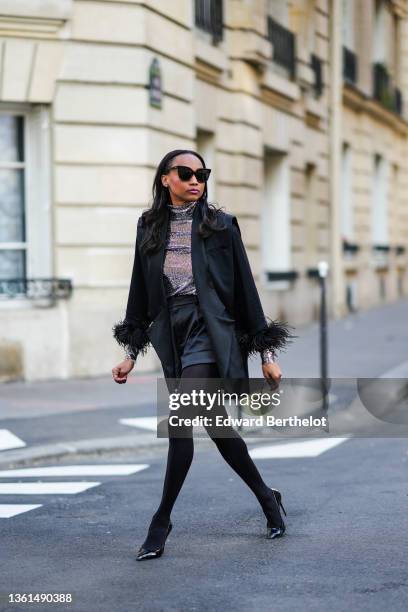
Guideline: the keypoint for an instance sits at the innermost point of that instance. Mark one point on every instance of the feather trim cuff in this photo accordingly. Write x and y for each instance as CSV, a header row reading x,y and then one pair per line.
x,y
275,337
131,336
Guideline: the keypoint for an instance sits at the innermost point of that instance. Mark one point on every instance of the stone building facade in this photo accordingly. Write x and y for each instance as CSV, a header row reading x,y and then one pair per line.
x,y
374,164
94,92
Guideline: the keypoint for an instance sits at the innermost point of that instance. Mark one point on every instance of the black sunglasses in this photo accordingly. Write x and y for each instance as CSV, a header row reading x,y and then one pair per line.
x,y
185,173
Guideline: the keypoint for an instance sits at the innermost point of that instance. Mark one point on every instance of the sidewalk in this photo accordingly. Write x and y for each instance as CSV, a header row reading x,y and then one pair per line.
x,y
361,345
367,344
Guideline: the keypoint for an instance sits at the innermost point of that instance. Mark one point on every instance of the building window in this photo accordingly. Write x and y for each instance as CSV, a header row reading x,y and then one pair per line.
x,y
316,65
350,62
209,16
384,90
396,46
282,38
349,66
380,54
386,52
348,24
352,294
13,245
380,208
347,194
284,46
275,220
311,223
25,200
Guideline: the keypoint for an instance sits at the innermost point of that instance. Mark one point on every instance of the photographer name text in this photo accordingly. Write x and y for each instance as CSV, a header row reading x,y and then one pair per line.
x,y
259,421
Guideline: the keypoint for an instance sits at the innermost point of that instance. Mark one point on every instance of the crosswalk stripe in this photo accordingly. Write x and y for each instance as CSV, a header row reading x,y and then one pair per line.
x,y
308,448
9,510
45,488
149,423
77,470
9,440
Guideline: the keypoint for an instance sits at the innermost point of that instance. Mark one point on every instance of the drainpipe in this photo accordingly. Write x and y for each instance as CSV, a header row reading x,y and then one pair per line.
x,y
335,144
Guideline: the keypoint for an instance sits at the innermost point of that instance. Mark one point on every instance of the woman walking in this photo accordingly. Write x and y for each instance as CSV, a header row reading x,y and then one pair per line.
x,y
192,296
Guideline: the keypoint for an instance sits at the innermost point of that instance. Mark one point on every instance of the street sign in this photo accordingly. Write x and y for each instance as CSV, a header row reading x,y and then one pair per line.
x,y
155,84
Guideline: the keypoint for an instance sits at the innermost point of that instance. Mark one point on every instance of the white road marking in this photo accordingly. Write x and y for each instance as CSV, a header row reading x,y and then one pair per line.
x,y
45,488
9,510
57,488
9,440
77,470
149,423
308,448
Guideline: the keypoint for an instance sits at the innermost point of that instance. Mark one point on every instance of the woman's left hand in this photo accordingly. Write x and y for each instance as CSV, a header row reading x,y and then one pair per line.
x,y
272,373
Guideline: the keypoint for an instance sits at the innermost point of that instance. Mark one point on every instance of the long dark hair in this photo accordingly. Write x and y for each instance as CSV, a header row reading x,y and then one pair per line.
x,y
155,216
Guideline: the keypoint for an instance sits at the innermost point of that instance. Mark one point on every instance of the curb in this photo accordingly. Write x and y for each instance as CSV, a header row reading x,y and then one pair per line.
x,y
62,450
100,446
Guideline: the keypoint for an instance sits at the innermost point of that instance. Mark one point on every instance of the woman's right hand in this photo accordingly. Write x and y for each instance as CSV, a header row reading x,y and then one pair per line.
x,y
121,371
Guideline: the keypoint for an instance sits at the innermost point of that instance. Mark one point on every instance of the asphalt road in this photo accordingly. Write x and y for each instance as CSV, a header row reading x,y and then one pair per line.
x,y
346,416
345,546
77,532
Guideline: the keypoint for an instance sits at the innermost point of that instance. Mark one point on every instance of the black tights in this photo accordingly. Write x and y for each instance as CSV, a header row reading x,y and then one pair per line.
x,y
180,455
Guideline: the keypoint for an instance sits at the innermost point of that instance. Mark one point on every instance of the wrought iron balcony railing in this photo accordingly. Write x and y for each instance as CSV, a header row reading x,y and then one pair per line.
x,y
35,288
384,90
312,273
350,247
208,17
284,46
350,66
289,275
381,248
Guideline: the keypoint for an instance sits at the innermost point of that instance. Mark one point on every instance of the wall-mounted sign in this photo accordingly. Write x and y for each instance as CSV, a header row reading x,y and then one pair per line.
x,y
155,84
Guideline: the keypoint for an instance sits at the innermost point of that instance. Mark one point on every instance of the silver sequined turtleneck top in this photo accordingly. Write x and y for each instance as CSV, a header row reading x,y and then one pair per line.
x,y
178,275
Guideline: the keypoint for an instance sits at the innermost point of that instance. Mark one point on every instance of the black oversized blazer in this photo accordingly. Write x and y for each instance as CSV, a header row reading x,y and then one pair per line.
x,y
227,296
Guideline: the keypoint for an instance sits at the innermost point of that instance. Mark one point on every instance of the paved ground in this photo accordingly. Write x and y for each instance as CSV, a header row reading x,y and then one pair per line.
x,y
345,547
364,344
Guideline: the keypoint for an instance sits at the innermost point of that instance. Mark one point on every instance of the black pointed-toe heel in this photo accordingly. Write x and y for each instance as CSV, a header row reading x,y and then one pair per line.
x,y
145,553
278,497
273,531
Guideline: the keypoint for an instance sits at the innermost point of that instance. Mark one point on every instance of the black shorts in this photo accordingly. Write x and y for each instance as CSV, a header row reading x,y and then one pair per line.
x,y
190,337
